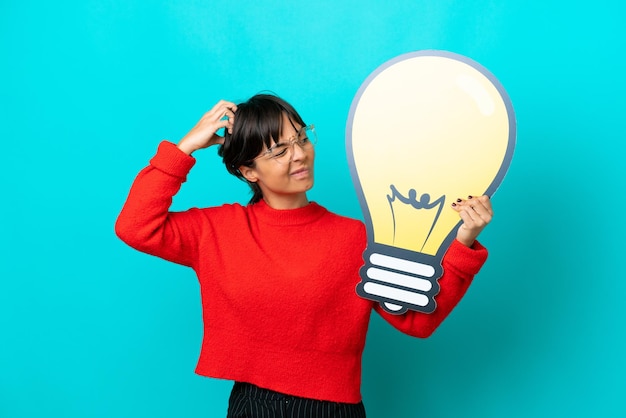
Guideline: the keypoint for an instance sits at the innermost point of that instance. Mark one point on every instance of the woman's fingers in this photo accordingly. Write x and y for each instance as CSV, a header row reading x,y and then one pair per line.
x,y
476,213
204,134
222,115
481,208
223,109
480,204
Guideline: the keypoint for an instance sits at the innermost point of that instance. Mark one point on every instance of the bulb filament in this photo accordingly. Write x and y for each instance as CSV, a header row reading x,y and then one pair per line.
x,y
423,203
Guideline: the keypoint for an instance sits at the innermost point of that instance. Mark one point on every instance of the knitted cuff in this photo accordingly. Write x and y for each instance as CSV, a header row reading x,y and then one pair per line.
x,y
466,259
172,160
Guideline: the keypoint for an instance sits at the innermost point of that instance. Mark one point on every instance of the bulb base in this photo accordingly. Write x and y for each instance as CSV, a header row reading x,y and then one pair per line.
x,y
399,279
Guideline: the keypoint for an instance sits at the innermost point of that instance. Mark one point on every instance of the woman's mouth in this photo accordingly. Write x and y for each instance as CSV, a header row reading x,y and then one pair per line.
x,y
300,173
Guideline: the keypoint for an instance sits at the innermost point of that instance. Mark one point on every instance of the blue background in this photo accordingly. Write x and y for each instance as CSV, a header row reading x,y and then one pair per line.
x,y
91,328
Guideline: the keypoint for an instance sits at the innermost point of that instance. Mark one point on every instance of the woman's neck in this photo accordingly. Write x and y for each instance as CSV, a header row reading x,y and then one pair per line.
x,y
286,202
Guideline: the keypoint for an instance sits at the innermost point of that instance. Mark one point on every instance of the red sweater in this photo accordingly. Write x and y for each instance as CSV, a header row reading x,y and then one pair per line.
x,y
278,286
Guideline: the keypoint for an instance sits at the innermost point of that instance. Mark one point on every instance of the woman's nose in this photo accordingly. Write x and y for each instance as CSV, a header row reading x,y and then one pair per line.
x,y
297,153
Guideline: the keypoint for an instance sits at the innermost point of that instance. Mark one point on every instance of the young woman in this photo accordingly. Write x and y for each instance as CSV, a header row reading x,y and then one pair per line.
x,y
278,276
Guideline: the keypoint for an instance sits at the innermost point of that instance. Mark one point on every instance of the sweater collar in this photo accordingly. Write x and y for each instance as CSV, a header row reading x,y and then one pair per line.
x,y
299,216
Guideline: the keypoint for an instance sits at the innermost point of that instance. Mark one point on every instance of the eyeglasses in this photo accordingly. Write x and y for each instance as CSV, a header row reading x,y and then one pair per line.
x,y
282,152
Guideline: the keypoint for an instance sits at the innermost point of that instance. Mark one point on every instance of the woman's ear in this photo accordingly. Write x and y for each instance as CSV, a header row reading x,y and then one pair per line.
x,y
249,173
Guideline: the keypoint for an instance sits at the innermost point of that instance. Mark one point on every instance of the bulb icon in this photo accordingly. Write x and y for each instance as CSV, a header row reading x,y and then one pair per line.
x,y
424,129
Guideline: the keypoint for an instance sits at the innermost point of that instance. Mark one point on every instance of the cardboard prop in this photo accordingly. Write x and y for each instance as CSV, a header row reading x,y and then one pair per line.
x,y
424,129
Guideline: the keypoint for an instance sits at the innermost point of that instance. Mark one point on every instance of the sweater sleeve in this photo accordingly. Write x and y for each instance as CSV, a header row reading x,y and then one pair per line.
x,y
145,222
460,265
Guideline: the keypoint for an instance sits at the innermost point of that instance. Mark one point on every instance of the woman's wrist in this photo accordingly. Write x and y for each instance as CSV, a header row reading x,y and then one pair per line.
x,y
185,147
467,242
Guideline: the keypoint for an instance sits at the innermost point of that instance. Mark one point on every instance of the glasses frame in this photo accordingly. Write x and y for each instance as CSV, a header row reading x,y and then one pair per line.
x,y
290,144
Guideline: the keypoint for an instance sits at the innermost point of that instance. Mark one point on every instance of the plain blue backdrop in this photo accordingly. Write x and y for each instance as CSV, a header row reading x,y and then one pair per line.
x,y
92,328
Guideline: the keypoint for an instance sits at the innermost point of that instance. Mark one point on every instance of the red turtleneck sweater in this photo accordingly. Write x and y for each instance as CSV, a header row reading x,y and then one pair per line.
x,y
278,286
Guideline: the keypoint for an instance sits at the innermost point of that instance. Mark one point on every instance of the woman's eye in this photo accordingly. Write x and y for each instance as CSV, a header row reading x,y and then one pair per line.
x,y
279,151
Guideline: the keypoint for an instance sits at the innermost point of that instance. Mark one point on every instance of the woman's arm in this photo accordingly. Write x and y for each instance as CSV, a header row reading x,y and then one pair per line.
x,y
145,222
460,264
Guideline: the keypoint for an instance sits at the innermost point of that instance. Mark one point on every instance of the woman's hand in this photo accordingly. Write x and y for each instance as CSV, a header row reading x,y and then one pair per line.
x,y
204,134
476,213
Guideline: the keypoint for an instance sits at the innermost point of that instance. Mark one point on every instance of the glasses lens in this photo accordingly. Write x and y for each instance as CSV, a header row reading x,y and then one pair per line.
x,y
306,139
311,136
281,152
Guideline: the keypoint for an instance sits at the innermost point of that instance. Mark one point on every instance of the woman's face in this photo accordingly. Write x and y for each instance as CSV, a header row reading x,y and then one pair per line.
x,y
284,183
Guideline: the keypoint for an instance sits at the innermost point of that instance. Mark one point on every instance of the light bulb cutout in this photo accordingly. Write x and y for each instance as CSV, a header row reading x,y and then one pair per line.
x,y
424,129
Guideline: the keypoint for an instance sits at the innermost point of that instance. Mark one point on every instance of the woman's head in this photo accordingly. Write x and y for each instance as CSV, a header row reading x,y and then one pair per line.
x,y
258,124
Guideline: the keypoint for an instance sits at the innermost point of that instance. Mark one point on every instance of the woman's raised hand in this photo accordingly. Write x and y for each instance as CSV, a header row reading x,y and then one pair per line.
x,y
476,213
204,134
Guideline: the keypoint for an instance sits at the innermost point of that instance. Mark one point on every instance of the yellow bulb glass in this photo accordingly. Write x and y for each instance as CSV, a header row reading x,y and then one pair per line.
x,y
424,129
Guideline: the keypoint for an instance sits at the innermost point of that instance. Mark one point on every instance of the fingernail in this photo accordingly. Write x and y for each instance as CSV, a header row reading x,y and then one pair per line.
x,y
453,204
469,197
458,200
